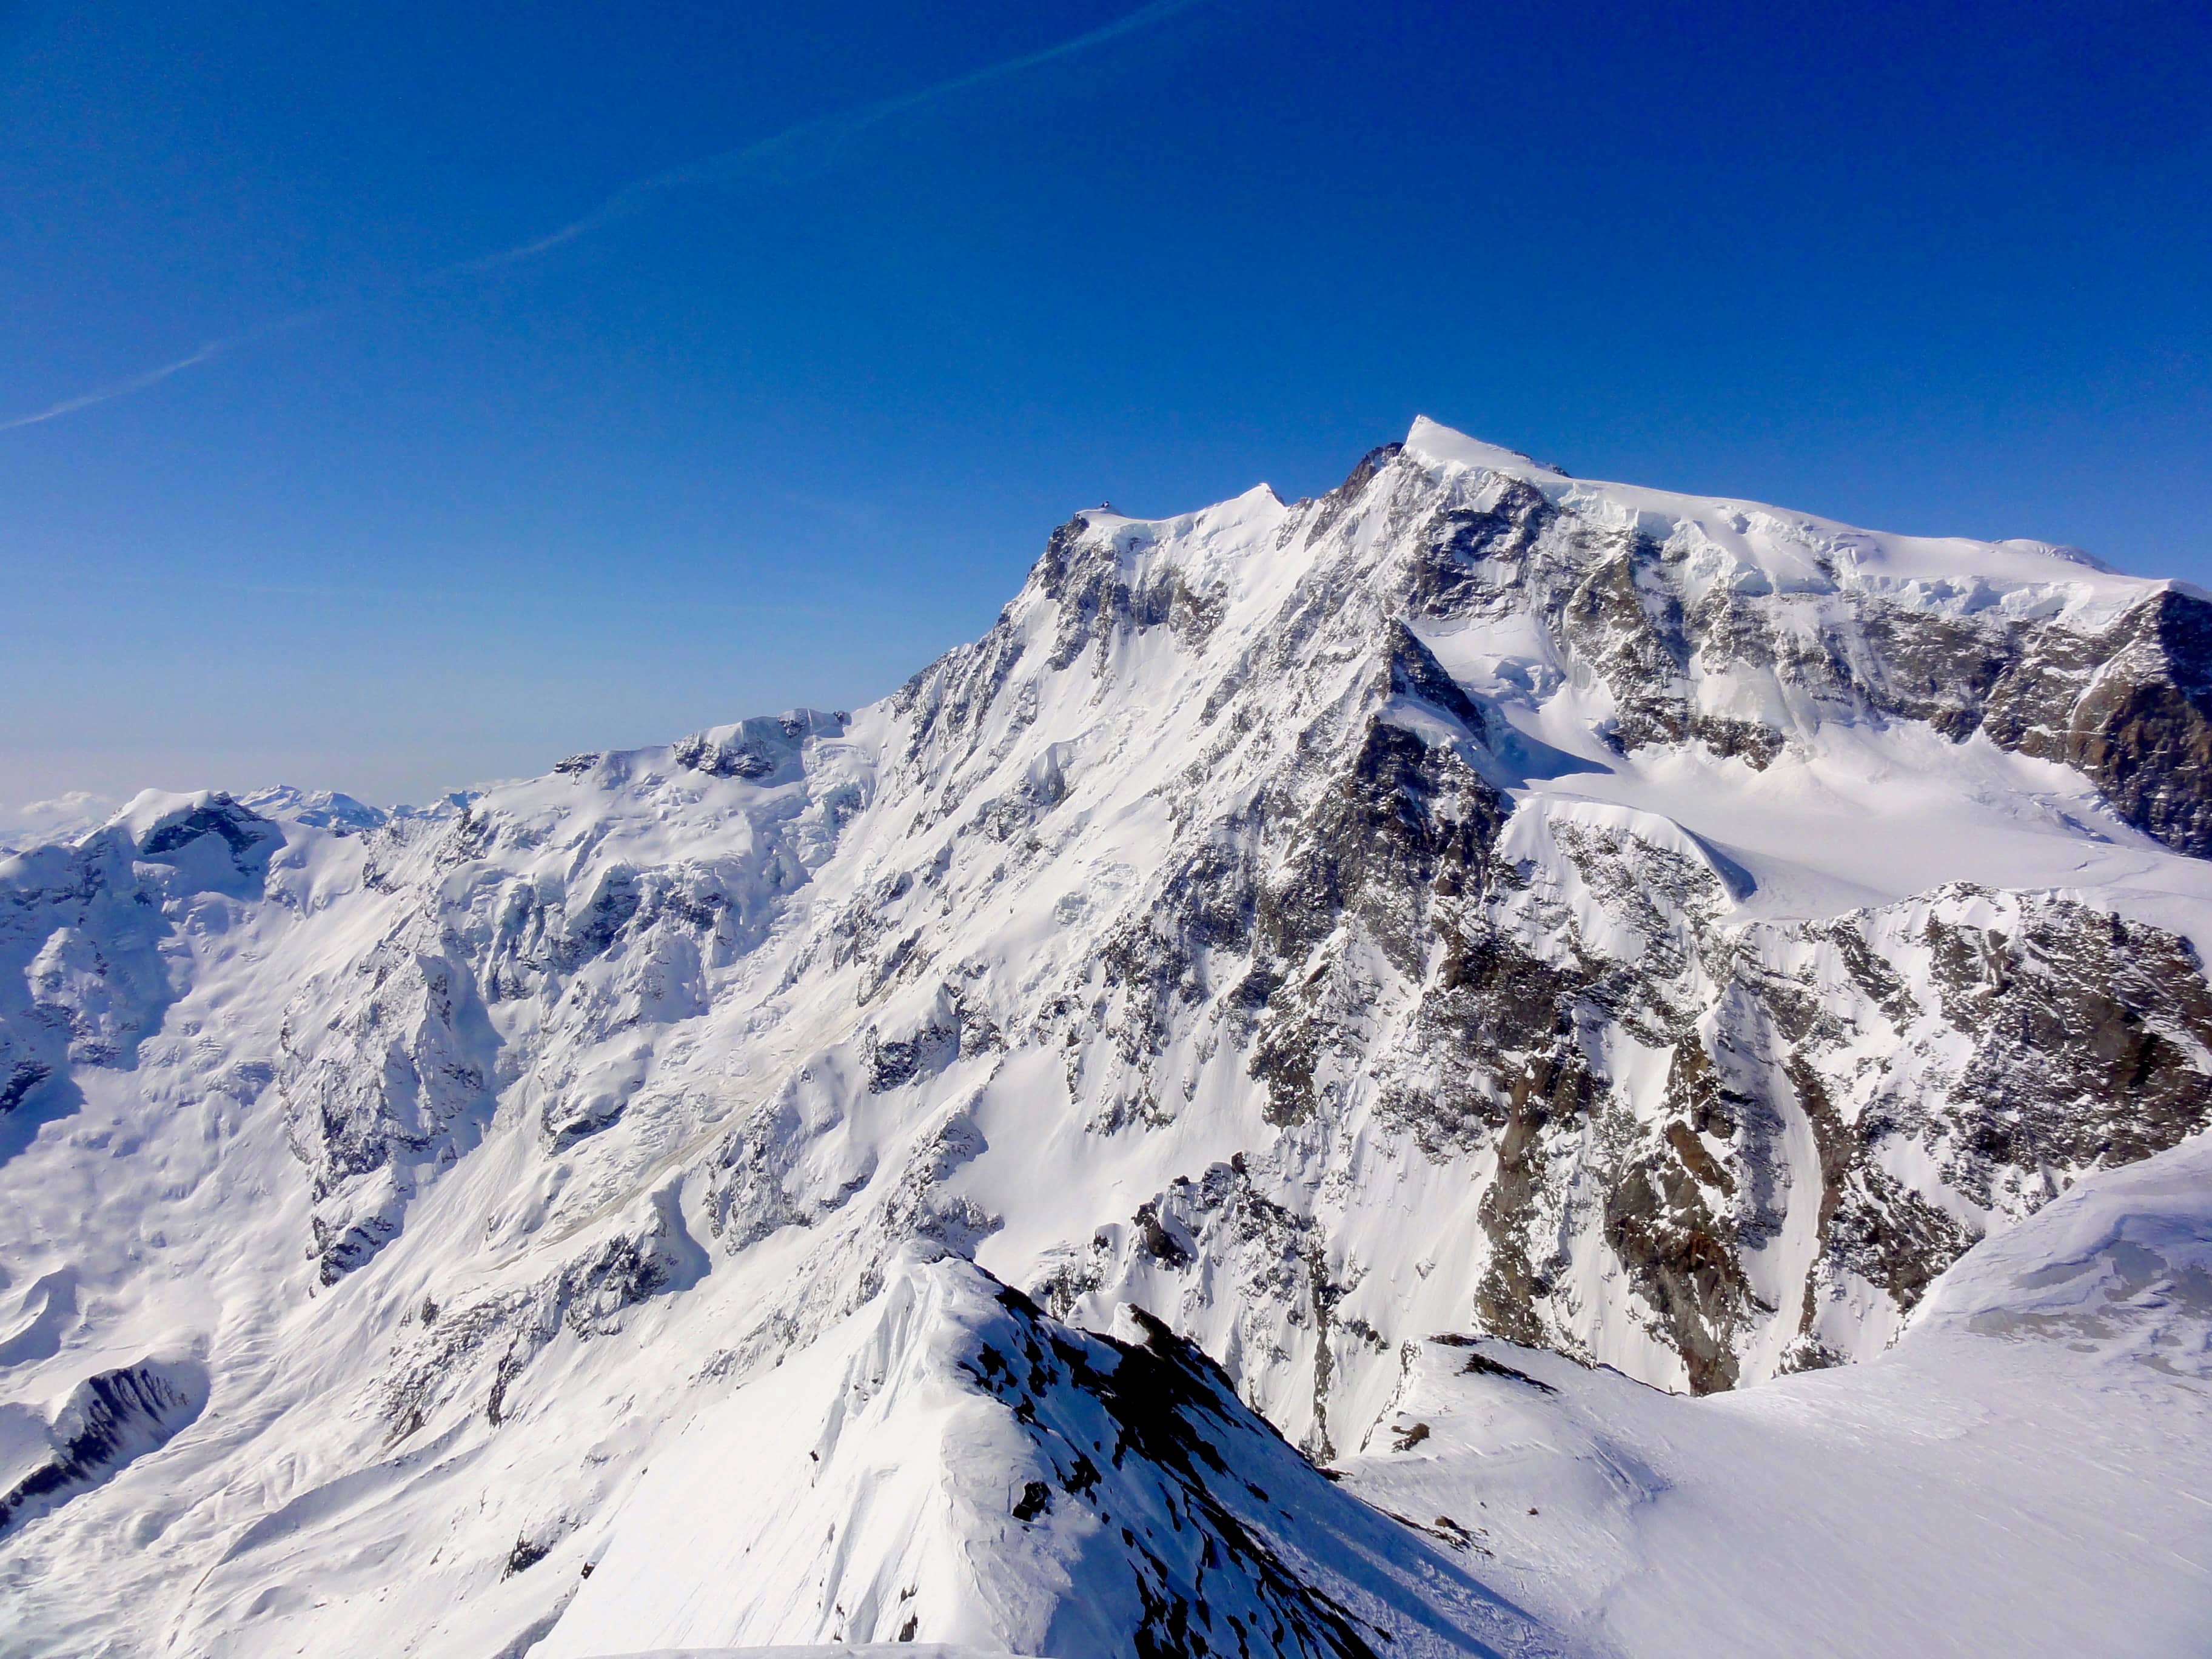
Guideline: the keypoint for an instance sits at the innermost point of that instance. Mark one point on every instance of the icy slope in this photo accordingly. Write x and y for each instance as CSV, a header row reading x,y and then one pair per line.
x,y
1669,931
2025,1472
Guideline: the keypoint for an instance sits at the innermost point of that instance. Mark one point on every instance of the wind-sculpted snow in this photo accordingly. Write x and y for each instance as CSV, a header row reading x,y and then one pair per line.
x,y
1669,933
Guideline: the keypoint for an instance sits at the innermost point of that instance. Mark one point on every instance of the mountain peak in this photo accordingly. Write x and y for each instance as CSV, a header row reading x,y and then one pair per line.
x,y
1438,442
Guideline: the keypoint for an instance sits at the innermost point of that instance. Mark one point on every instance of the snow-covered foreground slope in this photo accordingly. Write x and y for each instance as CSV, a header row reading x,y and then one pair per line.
x,y
2029,1472
952,1463
1667,931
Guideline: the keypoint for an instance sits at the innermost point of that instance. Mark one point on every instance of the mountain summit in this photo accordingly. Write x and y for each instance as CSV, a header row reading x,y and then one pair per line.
x,y
1597,926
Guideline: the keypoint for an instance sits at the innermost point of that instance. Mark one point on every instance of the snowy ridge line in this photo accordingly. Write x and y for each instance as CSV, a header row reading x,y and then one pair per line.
x,y
2024,580
953,1463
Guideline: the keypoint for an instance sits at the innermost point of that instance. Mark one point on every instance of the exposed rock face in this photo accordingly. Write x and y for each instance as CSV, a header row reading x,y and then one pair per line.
x,y
1743,663
107,1421
1668,931
2131,708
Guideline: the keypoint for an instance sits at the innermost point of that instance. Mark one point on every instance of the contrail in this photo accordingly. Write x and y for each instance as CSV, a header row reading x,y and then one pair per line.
x,y
800,152
207,353
810,148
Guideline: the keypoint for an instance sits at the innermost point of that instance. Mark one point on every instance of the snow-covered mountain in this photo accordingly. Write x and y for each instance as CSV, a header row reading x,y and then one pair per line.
x,y
894,1176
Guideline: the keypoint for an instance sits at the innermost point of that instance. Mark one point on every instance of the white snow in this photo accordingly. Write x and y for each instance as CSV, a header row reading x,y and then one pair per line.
x,y
2029,1472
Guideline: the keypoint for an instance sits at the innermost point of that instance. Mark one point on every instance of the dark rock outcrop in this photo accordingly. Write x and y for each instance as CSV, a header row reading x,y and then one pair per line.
x,y
109,1421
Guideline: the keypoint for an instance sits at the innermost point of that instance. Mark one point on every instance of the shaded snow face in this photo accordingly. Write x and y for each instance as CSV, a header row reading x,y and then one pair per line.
x,y
1669,932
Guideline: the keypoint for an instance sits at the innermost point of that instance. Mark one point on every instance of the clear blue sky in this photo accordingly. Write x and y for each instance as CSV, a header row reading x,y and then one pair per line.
x,y
780,429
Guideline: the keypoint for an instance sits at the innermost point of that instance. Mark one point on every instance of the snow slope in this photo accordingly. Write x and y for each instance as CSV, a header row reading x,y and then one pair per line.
x,y
1666,932
950,1463
2029,1471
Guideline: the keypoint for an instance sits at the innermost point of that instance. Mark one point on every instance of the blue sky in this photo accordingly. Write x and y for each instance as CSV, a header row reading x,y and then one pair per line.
x,y
780,429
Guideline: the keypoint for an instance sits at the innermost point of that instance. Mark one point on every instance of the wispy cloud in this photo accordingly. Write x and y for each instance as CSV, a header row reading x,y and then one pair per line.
x,y
796,153
65,817
812,148
206,353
